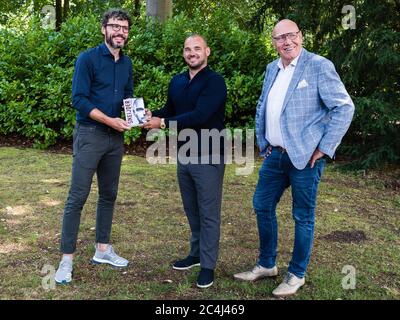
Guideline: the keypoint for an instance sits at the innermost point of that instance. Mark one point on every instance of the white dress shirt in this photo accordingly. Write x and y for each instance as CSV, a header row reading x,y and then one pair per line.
x,y
275,100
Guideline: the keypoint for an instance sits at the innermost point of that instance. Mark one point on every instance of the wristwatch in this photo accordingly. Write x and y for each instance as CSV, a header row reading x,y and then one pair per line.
x,y
162,124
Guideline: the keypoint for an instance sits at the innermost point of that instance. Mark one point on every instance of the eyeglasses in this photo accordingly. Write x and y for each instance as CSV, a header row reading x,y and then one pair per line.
x,y
282,37
117,27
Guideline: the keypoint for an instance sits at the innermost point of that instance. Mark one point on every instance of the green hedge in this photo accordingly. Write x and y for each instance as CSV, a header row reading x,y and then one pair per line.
x,y
36,68
37,65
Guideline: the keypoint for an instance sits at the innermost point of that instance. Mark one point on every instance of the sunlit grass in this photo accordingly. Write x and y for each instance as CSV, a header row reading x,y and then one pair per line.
x,y
151,230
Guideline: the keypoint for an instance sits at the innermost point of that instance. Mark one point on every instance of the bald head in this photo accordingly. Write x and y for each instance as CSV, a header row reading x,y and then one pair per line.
x,y
199,36
287,40
283,26
195,53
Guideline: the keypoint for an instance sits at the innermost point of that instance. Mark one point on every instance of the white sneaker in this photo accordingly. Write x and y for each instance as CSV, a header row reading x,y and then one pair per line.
x,y
110,257
64,271
257,273
289,286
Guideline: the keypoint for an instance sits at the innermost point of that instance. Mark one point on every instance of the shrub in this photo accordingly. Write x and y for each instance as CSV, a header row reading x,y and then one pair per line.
x,y
37,66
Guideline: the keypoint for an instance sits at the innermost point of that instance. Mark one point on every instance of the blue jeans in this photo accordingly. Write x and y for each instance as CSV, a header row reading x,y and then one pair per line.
x,y
276,174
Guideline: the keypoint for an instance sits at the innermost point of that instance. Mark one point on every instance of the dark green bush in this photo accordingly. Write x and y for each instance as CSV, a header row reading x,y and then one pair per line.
x,y
37,65
367,58
36,68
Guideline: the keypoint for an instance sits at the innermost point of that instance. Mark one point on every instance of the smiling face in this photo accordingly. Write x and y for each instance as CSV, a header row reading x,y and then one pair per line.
x,y
115,39
288,49
196,52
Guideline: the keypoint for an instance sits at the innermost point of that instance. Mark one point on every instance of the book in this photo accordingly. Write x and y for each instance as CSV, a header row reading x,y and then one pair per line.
x,y
135,114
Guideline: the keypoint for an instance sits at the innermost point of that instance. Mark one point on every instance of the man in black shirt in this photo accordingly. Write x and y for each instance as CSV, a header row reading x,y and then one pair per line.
x,y
102,79
196,102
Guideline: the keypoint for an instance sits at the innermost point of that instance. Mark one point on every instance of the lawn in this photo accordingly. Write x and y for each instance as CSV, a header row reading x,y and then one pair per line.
x,y
357,229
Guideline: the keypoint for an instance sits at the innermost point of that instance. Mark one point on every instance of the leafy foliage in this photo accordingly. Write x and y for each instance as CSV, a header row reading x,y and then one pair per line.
x,y
36,72
37,66
368,60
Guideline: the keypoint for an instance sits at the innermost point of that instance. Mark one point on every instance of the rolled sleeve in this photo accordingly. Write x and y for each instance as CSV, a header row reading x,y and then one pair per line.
x,y
81,86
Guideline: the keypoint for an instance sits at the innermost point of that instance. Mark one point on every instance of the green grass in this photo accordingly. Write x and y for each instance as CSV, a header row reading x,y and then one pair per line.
x,y
151,230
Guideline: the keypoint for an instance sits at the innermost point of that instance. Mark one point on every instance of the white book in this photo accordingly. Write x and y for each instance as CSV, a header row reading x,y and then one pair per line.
x,y
134,111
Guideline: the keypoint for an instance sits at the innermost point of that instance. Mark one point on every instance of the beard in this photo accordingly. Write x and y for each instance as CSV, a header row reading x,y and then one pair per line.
x,y
112,43
196,65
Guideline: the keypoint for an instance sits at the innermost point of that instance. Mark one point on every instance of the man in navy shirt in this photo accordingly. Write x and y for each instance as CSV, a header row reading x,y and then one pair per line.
x,y
196,103
102,79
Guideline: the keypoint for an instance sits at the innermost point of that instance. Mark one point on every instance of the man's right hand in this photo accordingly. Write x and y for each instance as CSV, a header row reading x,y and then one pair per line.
x,y
115,123
118,124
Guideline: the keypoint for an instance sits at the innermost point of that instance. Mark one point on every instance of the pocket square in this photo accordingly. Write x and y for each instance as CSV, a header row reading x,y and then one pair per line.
x,y
302,84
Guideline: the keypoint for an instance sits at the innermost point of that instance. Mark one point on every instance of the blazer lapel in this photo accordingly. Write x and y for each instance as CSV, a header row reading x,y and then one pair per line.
x,y
272,73
300,67
272,77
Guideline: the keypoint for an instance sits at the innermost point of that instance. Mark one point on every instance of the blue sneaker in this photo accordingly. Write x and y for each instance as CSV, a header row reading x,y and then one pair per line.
x,y
205,278
186,263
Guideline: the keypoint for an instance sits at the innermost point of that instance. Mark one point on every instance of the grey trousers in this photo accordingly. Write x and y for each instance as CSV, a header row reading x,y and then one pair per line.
x,y
201,192
95,150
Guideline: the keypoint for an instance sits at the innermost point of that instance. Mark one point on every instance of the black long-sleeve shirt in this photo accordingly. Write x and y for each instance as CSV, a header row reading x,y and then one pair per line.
x,y
100,82
196,104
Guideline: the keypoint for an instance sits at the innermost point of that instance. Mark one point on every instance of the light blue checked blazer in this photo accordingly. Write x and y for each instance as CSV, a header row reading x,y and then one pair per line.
x,y
316,113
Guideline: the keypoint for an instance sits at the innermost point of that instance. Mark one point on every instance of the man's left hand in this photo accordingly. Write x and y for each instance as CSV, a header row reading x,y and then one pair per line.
x,y
315,156
153,123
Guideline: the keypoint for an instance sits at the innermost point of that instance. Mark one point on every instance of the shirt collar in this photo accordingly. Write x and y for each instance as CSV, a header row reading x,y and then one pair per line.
x,y
105,51
204,70
293,63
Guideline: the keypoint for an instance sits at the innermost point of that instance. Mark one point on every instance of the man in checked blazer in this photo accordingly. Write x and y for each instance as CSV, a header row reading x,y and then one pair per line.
x,y
302,115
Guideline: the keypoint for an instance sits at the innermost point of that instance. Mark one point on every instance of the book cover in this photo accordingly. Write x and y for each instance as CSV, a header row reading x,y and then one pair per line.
x,y
135,114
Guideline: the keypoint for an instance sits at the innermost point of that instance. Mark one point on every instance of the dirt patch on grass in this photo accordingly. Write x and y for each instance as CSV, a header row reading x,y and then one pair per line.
x,y
345,236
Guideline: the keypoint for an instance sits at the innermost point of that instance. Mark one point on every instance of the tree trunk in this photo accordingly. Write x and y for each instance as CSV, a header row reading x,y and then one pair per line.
x,y
159,9
65,10
58,15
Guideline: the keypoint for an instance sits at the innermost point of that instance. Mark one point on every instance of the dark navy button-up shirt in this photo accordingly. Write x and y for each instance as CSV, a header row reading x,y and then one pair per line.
x,y
100,82
198,103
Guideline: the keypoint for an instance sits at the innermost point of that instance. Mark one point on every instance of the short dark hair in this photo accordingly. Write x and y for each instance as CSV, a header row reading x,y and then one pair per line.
x,y
118,14
195,34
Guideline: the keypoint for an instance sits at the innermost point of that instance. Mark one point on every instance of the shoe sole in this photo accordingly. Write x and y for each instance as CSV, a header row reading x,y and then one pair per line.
x,y
204,285
287,295
259,278
63,283
186,268
102,261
